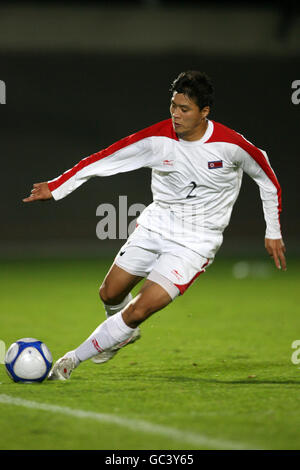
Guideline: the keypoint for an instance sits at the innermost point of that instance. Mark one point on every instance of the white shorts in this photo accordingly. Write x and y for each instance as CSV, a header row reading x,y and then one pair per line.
x,y
165,262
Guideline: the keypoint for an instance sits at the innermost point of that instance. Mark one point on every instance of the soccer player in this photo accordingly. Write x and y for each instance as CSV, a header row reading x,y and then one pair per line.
x,y
197,166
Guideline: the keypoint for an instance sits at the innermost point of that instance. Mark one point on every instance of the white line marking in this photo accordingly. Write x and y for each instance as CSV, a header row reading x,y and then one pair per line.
x,y
135,425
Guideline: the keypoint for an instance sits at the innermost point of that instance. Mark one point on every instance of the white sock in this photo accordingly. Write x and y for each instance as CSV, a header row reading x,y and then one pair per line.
x,y
109,333
113,309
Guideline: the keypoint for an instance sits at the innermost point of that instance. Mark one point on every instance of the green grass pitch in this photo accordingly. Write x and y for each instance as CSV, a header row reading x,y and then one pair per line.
x,y
213,370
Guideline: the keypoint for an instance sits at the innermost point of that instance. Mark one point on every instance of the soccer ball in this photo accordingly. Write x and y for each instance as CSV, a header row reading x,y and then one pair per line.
x,y
28,360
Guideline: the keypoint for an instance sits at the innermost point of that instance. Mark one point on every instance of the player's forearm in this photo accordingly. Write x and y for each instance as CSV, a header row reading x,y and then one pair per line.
x,y
271,201
60,187
272,219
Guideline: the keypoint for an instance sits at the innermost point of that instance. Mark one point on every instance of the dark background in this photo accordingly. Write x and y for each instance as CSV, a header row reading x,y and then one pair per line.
x,y
65,102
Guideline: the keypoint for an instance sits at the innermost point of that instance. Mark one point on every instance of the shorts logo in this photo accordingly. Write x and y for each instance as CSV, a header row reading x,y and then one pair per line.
x,y
216,164
177,274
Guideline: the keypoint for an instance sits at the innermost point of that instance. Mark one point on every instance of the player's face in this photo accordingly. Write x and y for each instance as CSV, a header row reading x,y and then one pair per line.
x,y
188,120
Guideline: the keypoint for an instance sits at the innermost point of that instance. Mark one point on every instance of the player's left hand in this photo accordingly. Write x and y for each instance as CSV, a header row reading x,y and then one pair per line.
x,y
276,250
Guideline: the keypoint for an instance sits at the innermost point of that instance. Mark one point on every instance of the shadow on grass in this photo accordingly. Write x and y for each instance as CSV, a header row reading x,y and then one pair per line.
x,y
252,381
258,373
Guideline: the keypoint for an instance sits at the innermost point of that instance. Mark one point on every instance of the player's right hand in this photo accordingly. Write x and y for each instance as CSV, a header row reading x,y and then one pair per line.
x,y
39,192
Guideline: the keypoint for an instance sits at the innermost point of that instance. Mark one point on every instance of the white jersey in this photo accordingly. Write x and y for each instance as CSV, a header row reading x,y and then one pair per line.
x,y
194,184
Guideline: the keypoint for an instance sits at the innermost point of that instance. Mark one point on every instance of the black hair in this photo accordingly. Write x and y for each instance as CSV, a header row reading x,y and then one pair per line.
x,y
196,85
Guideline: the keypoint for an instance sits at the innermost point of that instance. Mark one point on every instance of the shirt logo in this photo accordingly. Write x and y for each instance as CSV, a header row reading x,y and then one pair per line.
x,y
217,164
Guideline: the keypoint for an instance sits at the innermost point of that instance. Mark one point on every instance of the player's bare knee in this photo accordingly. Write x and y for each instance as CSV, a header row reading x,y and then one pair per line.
x,y
102,293
108,295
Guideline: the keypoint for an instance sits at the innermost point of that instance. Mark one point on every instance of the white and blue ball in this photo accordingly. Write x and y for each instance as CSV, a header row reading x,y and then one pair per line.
x,y
28,360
